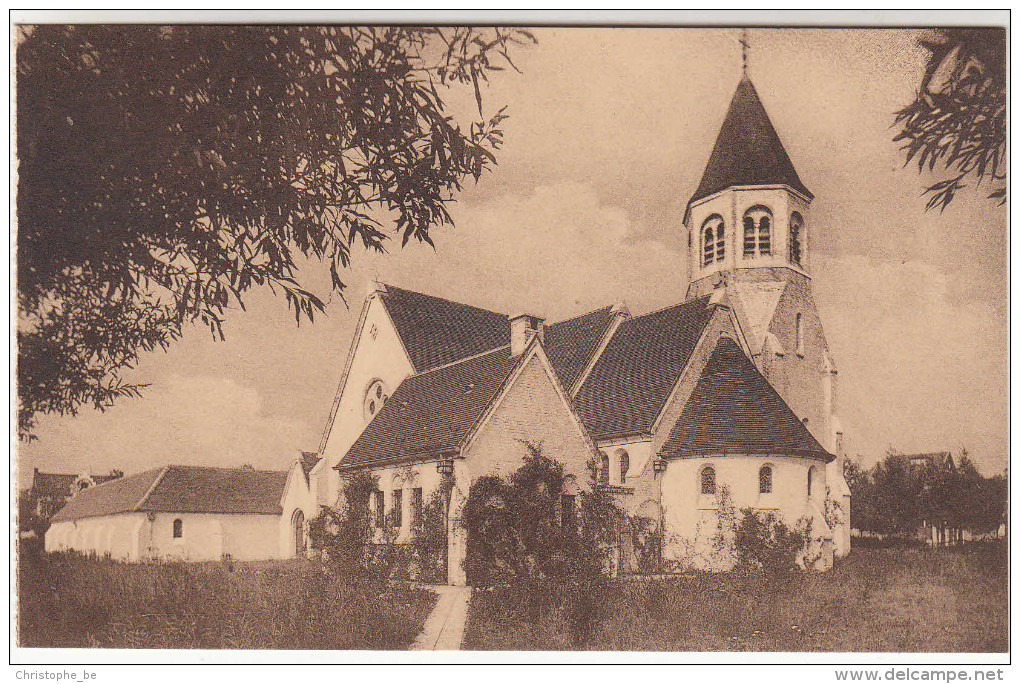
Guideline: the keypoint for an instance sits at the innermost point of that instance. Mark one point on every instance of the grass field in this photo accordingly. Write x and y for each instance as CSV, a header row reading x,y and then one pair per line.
x,y
906,600
66,600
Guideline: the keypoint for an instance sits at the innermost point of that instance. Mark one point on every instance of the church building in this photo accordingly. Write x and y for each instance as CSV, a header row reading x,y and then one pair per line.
x,y
725,400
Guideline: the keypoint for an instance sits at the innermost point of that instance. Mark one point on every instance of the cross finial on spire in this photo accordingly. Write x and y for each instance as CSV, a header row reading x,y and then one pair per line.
x,y
744,46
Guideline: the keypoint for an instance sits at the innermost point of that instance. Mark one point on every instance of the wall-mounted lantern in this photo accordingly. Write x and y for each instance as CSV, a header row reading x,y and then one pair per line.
x,y
445,467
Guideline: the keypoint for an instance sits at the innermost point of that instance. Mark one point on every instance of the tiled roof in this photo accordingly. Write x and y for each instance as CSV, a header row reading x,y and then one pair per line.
x,y
308,461
52,484
193,489
571,344
116,496
630,383
748,150
433,411
437,331
733,409
182,489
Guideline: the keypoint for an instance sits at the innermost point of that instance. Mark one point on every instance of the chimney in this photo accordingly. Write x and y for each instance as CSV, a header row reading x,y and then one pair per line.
x,y
522,328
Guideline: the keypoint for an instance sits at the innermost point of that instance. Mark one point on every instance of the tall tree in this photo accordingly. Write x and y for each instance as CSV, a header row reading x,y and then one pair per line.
x,y
165,171
957,121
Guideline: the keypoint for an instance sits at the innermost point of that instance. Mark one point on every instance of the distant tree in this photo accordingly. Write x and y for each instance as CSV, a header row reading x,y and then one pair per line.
x,y
164,171
957,121
897,496
862,505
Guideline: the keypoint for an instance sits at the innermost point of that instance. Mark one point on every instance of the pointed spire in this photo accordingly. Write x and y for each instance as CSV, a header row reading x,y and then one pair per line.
x,y
748,150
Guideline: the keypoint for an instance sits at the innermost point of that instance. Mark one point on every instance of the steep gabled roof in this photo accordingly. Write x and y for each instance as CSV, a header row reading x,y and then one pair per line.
x,y
432,412
437,331
733,409
635,374
182,489
308,461
748,150
570,344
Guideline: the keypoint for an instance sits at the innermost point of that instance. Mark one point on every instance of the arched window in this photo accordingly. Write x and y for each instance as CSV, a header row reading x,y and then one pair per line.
x,y
800,335
796,230
812,475
757,232
624,466
713,240
178,528
604,469
375,397
708,480
765,480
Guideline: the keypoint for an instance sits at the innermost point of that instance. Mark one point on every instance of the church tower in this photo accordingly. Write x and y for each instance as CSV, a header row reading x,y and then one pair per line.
x,y
749,233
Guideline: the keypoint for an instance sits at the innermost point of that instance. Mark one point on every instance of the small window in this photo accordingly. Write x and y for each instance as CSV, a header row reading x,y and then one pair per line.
x,y
416,507
398,507
800,335
604,469
765,480
624,466
708,480
375,397
796,228
812,474
178,529
569,512
380,509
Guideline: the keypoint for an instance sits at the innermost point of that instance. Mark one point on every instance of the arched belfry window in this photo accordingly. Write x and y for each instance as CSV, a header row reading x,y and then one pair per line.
x,y
604,469
757,232
178,529
713,240
708,480
624,466
796,237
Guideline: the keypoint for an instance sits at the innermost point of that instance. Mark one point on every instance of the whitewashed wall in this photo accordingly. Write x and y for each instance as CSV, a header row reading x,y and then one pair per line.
x,y
690,518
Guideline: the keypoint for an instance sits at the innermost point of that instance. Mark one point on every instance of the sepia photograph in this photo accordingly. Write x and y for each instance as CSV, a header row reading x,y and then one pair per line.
x,y
675,340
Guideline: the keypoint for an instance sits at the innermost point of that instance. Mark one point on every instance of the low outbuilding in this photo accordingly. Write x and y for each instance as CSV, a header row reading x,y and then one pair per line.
x,y
189,513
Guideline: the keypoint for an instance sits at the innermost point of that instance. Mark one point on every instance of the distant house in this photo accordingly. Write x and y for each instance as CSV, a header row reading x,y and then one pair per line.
x,y
190,513
50,491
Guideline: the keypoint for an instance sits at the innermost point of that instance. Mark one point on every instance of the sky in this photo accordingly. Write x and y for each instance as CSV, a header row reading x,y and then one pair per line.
x,y
608,135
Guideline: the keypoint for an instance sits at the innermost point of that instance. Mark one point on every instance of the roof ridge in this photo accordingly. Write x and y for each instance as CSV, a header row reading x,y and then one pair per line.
x,y
444,299
581,315
668,307
459,361
159,478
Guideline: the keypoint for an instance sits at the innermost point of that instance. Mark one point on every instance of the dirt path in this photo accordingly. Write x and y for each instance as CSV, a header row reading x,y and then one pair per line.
x,y
444,628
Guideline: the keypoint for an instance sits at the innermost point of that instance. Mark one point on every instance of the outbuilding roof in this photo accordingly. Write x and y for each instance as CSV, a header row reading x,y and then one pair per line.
x,y
734,409
635,374
182,489
432,412
52,484
748,150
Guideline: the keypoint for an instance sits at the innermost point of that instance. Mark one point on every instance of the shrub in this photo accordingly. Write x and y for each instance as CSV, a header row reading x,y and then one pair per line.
x,y
764,544
429,537
517,531
344,534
